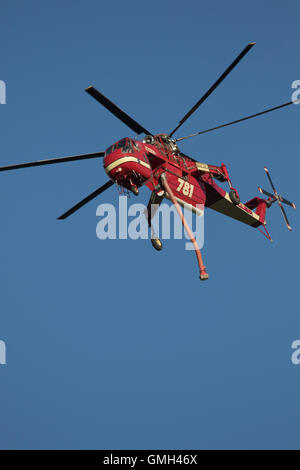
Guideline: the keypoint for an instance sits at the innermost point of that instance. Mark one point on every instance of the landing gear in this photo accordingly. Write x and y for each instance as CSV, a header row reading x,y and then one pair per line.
x,y
157,244
153,205
234,197
233,194
269,203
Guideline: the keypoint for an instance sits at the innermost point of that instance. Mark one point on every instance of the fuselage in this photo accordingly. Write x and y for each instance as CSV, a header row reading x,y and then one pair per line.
x,y
133,163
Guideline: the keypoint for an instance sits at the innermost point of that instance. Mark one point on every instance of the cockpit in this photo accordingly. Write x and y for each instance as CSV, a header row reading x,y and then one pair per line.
x,y
126,145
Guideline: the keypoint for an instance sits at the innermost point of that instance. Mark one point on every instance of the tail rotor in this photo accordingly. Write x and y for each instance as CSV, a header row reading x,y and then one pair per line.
x,y
277,197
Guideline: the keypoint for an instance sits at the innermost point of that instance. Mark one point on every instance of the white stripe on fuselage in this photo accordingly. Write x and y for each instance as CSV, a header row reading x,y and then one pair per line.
x,y
125,160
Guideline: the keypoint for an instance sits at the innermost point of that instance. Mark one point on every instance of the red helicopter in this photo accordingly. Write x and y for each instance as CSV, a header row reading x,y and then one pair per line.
x,y
157,162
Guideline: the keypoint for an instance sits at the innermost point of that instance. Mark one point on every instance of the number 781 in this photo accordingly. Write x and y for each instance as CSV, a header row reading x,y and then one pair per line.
x,y
185,187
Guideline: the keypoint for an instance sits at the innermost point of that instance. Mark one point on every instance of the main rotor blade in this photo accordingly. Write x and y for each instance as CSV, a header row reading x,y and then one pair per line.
x,y
238,120
135,126
215,85
284,216
52,160
86,200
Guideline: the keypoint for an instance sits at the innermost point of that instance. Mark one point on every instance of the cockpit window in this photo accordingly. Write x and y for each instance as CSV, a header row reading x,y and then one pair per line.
x,y
125,144
108,151
128,148
121,144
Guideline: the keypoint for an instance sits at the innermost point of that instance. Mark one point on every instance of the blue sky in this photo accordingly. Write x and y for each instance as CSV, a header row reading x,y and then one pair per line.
x,y
109,343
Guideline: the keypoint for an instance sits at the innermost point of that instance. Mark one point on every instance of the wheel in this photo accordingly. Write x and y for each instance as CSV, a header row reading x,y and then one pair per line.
x,y
234,197
156,243
268,204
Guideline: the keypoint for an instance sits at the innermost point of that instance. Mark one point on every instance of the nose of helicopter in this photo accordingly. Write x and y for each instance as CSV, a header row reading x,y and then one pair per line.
x,y
113,164
125,164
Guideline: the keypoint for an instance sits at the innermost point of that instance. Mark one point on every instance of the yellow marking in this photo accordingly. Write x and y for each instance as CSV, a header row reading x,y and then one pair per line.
x,y
202,166
125,160
150,150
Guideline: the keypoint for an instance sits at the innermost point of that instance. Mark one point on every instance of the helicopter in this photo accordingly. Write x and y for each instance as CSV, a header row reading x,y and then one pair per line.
x,y
157,163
